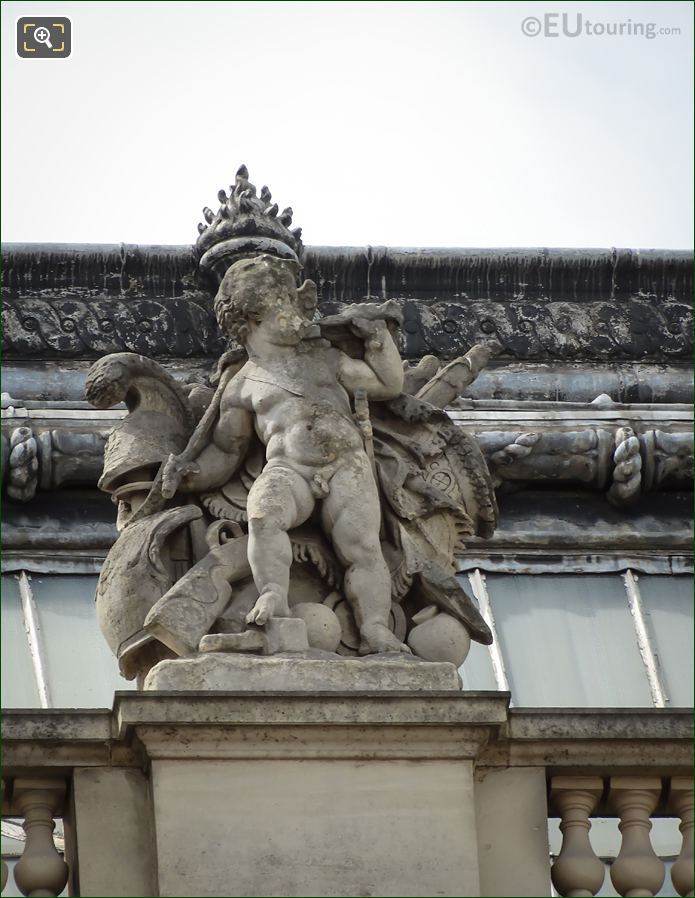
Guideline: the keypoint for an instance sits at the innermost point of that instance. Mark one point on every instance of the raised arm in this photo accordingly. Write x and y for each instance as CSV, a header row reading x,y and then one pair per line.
x,y
381,372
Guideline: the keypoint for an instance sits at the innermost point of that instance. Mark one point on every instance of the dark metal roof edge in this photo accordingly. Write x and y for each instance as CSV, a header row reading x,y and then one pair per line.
x,y
410,252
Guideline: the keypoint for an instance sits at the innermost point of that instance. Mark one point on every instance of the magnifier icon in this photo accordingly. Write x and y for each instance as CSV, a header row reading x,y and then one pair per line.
x,y
43,36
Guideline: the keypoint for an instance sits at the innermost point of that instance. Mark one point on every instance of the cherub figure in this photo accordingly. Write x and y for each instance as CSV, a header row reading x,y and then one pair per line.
x,y
294,391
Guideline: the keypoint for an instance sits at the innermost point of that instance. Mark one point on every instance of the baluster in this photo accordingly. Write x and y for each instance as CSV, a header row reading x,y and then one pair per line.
x,y
681,803
637,872
577,872
41,872
4,871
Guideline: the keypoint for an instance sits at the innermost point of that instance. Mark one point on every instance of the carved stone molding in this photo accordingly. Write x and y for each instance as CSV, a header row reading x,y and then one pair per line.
x,y
42,327
49,459
346,273
623,461
39,327
619,460
81,301
567,738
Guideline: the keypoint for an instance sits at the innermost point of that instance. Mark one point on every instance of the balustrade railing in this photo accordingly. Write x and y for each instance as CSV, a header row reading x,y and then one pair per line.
x,y
637,871
630,767
41,871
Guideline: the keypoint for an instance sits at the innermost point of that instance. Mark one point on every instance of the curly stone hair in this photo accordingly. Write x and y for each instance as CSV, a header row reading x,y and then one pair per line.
x,y
245,289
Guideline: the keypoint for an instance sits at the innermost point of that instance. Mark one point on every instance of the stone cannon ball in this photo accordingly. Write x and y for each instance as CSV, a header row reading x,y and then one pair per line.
x,y
322,625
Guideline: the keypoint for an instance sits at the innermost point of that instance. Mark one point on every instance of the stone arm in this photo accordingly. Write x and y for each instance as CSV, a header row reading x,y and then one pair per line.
x,y
221,457
380,374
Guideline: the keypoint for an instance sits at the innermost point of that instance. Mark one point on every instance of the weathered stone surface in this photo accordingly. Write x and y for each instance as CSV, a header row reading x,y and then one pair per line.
x,y
526,330
538,381
411,724
321,794
113,826
548,442
512,845
252,641
85,300
241,673
439,636
315,828
281,634
541,531
286,463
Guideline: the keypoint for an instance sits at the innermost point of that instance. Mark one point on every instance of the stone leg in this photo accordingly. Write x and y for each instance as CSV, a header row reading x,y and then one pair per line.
x,y
279,500
352,518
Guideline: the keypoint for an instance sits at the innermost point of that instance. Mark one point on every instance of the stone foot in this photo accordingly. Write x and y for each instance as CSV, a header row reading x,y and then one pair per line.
x,y
377,639
272,602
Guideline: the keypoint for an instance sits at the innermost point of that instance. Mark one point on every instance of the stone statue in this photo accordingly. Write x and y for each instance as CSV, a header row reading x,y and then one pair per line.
x,y
294,394
310,500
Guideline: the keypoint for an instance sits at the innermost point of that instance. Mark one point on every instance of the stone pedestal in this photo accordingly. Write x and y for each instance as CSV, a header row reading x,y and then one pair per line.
x,y
293,673
289,794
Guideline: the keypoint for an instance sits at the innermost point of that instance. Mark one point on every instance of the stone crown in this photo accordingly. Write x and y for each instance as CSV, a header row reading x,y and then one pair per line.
x,y
244,225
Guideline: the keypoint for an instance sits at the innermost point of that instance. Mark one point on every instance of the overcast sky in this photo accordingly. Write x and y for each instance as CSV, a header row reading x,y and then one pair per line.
x,y
404,124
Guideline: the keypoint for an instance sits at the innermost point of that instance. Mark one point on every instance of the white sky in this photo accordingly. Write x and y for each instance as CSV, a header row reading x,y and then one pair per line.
x,y
404,124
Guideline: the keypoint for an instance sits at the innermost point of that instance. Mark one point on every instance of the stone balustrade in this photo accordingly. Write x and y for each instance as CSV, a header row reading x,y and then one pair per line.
x,y
681,804
525,766
41,872
637,871
576,872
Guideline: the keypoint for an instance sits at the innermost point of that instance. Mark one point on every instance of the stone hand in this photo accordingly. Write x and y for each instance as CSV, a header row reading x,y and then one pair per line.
x,y
175,469
371,330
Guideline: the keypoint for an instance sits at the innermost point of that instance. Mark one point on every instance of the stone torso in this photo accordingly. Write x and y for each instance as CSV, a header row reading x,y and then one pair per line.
x,y
302,413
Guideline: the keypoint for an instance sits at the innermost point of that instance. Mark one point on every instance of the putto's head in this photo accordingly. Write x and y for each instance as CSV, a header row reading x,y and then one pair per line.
x,y
263,288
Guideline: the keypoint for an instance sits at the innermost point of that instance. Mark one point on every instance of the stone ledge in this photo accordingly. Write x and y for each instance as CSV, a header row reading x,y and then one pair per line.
x,y
608,723
347,708
386,724
609,741
51,724
220,672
